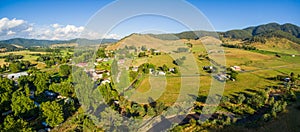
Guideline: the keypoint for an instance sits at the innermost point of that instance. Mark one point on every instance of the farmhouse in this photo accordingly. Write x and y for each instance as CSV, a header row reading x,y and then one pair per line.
x,y
171,69
207,67
16,75
161,73
99,59
81,64
105,81
151,71
122,61
236,68
135,69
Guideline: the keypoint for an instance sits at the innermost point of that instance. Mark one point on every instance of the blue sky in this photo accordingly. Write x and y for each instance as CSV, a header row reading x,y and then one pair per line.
x,y
70,16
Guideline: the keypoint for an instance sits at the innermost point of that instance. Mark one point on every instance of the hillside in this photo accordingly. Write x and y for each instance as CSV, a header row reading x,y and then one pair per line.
x,y
288,31
139,40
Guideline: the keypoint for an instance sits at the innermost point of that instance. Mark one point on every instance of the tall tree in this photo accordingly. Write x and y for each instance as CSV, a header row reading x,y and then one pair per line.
x,y
22,105
6,89
65,70
12,125
53,113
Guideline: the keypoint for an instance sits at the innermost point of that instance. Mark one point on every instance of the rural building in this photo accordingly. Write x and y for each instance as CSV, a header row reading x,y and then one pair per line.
x,y
105,59
236,68
105,81
16,75
161,73
151,71
135,69
81,64
171,69
122,61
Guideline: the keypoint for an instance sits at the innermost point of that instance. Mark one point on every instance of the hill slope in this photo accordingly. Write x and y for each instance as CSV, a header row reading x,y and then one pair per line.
x,y
288,31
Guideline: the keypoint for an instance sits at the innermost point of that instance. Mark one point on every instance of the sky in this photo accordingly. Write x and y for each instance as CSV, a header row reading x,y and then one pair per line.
x,y
67,19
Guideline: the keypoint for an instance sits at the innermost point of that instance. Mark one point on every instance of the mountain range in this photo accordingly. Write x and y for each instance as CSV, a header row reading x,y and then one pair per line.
x,y
26,43
254,33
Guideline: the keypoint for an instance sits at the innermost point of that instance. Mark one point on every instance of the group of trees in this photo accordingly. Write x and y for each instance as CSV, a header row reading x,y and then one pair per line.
x,y
181,49
146,67
53,59
23,100
128,108
179,61
16,66
12,57
245,47
232,73
243,106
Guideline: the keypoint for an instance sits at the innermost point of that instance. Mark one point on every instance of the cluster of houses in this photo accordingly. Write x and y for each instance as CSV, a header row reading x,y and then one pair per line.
x,y
153,71
98,74
222,76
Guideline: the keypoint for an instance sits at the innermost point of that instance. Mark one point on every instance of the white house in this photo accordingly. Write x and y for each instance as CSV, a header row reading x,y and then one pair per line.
x,y
171,70
16,75
105,59
161,73
135,69
151,71
122,61
105,81
236,68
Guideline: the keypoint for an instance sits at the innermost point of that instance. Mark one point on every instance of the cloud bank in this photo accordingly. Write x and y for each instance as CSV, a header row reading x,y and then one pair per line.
x,y
16,28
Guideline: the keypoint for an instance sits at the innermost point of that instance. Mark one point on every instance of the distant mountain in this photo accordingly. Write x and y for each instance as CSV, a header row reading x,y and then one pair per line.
x,y
288,31
45,43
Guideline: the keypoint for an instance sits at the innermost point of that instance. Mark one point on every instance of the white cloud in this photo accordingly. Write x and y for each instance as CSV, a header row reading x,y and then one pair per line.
x,y
111,36
11,33
20,28
6,24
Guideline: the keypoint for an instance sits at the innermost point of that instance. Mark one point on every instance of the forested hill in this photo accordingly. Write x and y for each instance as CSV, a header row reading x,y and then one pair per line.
x,y
44,43
288,31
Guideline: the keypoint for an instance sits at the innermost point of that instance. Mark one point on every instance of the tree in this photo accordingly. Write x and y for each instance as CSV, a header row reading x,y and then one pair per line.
x,y
232,73
178,62
175,70
143,48
14,67
101,53
41,81
142,54
256,101
65,70
241,98
110,119
150,111
22,105
165,68
63,88
6,89
12,125
53,113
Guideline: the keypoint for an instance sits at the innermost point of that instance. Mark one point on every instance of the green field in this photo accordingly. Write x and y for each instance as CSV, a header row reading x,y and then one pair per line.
x,y
258,67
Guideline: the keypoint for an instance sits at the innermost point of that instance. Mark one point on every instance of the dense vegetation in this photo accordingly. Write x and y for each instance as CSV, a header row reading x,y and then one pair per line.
x,y
288,31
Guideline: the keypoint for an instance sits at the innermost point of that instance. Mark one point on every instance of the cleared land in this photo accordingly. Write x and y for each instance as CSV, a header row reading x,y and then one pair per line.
x,y
257,67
